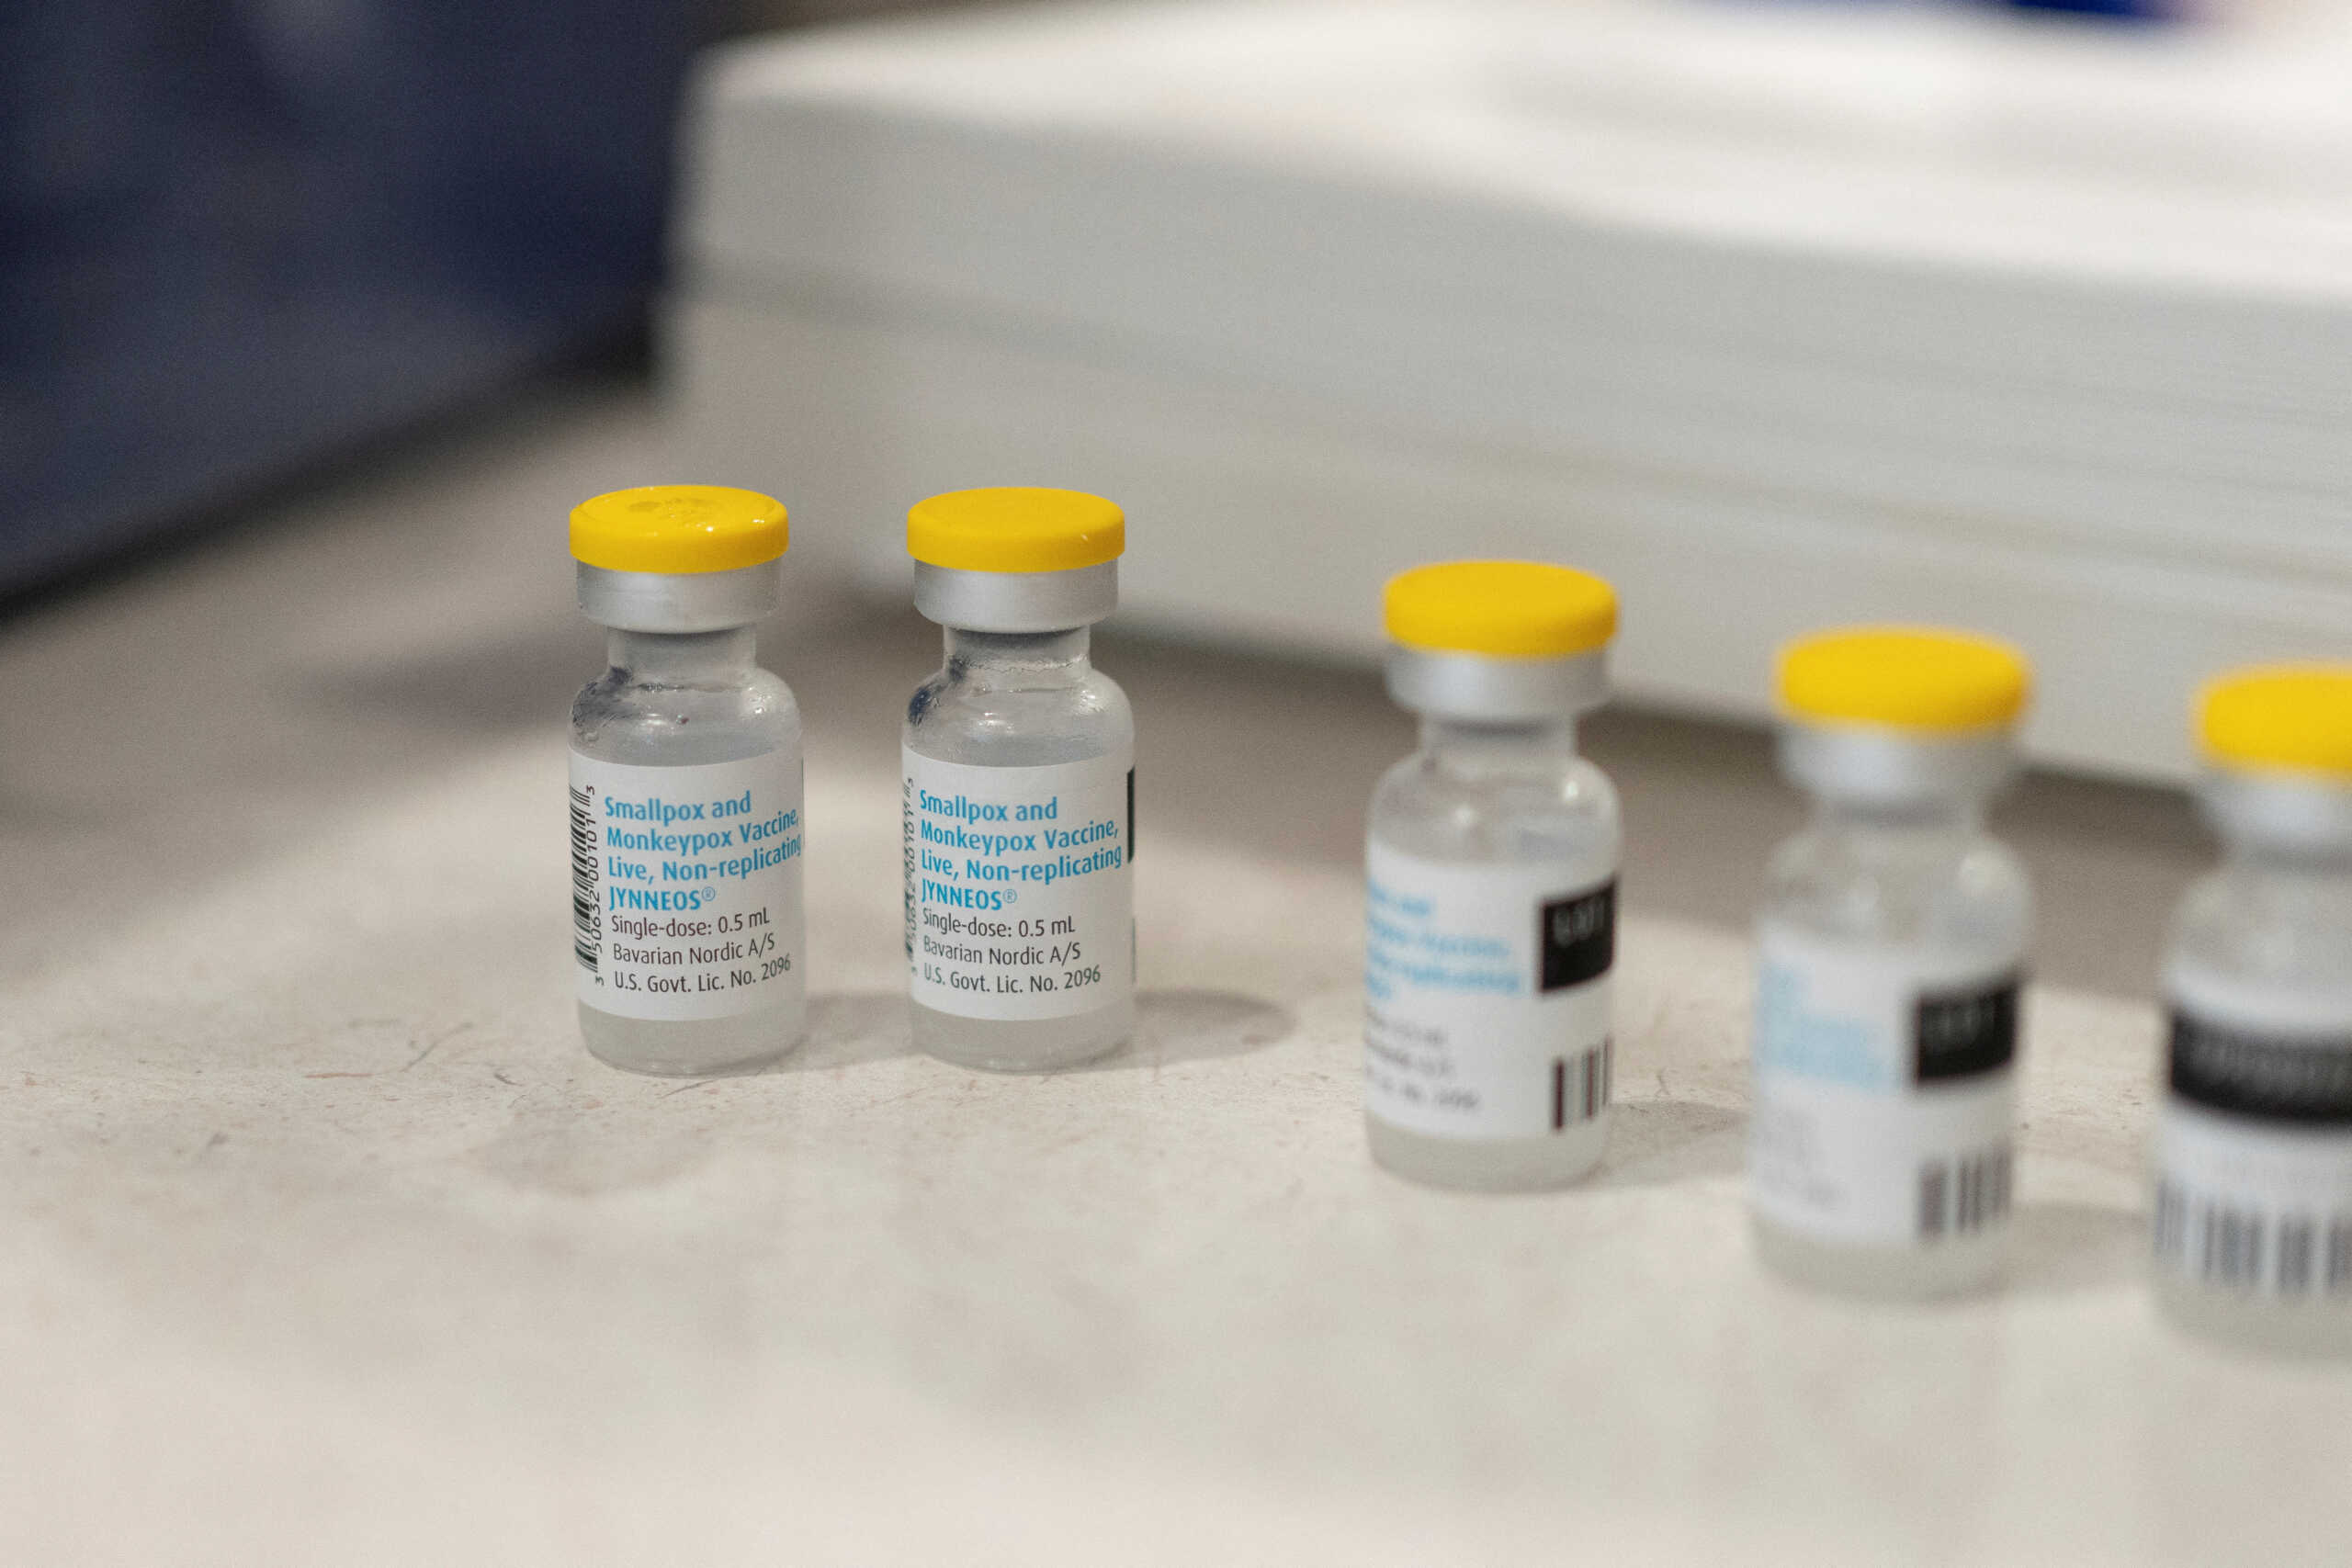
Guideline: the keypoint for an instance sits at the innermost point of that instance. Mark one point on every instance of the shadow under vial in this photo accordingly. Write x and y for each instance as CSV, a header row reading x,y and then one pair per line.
x,y
1179,1025
1186,1024
1653,1143
2056,1249
847,1030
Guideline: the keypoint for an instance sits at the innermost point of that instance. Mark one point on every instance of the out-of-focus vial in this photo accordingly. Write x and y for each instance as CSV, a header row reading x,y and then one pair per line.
x,y
1890,950
2254,1145
1018,784
1491,872
685,788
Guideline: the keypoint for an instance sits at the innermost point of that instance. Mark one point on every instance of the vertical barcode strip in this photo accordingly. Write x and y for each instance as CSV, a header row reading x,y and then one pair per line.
x,y
2218,1243
1581,1084
2295,1244
1967,1193
587,917
907,858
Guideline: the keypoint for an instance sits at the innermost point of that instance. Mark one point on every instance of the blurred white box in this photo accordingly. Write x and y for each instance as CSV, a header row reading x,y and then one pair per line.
x,y
1775,316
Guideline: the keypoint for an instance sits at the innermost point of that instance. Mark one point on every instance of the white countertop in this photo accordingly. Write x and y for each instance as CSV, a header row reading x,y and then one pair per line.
x,y
322,1240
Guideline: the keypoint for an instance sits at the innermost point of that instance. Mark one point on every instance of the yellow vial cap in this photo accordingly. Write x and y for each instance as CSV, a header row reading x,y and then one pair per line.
x,y
1505,609
1016,528
1919,678
2287,717
679,529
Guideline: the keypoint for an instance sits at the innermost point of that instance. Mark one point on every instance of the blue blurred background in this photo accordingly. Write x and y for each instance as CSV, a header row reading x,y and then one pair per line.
x,y
237,235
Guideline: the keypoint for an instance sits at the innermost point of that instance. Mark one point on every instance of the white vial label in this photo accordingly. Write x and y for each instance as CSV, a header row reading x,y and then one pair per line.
x,y
1019,894
1485,994
2254,1147
1885,1091
686,886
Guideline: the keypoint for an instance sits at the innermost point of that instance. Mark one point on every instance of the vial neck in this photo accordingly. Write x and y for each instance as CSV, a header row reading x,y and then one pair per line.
x,y
1482,750
2292,827
682,657
1900,821
1025,660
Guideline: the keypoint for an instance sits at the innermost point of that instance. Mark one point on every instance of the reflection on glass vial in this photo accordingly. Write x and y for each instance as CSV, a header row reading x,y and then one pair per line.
x,y
1491,871
1890,955
2253,1204
686,791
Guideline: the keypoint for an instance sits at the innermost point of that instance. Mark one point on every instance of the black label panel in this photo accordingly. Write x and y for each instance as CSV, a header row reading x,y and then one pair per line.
x,y
1958,1034
1577,937
2247,1074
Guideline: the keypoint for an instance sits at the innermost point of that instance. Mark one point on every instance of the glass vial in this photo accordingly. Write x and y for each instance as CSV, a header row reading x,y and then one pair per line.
x,y
1018,786
1890,950
685,788
1491,871
2254,1145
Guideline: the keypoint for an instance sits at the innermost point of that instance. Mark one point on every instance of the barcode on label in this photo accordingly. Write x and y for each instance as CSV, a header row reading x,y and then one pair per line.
x,y
1580,1085
1958,1196
2218,1243
907,860
587,915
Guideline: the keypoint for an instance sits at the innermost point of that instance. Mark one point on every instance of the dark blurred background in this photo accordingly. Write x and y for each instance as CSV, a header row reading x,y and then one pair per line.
x,y
237,237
